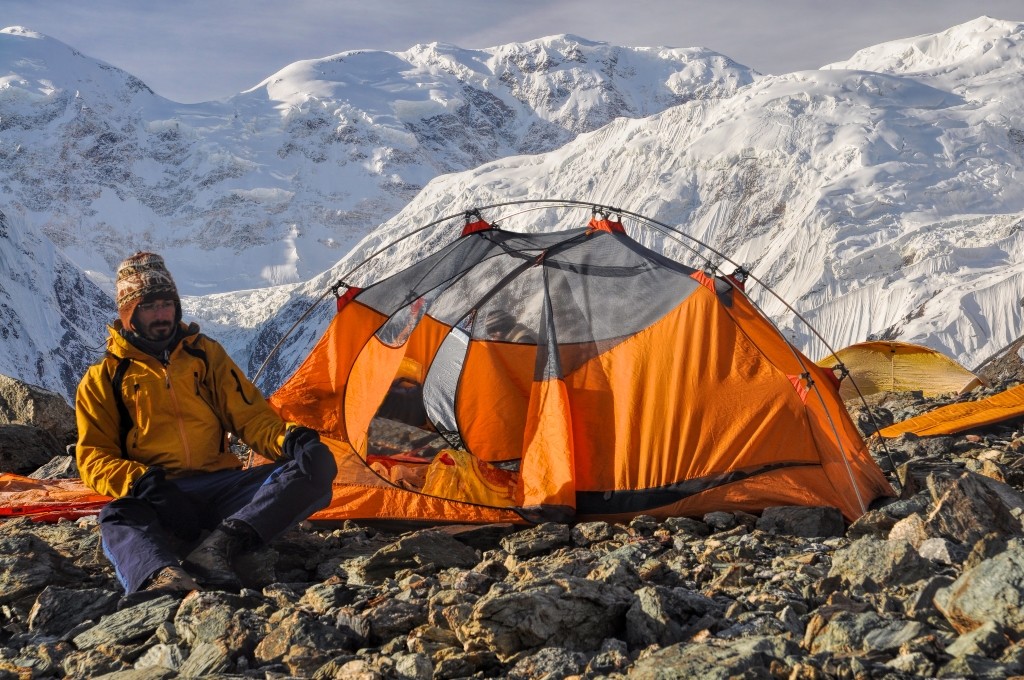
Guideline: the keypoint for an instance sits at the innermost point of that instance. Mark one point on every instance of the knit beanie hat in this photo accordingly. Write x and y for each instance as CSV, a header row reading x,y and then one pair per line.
x,y
143,277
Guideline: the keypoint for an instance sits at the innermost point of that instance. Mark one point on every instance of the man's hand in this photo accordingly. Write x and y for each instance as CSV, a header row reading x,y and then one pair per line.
x,y
301,444
175,509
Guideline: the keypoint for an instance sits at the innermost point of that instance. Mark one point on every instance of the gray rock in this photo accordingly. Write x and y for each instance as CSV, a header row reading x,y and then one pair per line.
x,y
58,609
751,624
664,616
354,629
899,508
990,545
615,569
25,404
868,562
912,529
600,599
636,553
451,664
130,624
921,605
588,533
978,668
792,621
810,522
720,521
163,657
322,597
433,550
913,664
393,618
413,667
851,632
875,523
429,639
989,639
918,475
300,642
205,660
992,591
95,663
479,536
283,594
221,618
475,582
893,634
537,539
344,666
28,564
612,657
150,673
643,525
569,612
551,662
58,467
749,658
24,448
77,541
971,505
942,551
687,525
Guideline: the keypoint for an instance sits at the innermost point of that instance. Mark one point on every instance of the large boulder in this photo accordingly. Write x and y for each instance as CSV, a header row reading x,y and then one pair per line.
x,y
971,505
871,563
24,448
991,591
24,404
570,612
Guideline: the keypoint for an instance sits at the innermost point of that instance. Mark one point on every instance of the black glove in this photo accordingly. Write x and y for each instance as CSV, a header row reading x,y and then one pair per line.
x,y
301,444
175,509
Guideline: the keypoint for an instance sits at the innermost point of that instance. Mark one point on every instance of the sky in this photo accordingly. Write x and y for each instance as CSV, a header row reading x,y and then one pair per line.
x,y
198,50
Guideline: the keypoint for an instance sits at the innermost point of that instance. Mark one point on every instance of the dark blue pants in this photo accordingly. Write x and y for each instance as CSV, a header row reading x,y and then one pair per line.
x,y
269,498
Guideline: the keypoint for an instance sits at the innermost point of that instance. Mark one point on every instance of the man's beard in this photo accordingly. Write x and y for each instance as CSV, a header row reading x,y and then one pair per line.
x,y
158,331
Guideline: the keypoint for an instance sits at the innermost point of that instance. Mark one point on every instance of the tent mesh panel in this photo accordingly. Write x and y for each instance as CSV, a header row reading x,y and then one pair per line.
x,y
495,285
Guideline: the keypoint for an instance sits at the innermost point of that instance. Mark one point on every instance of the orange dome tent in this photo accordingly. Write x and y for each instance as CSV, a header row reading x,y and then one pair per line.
x,y
631,385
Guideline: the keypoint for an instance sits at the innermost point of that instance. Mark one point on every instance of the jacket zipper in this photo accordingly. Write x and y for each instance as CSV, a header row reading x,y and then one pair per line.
x,y
166,359
138,415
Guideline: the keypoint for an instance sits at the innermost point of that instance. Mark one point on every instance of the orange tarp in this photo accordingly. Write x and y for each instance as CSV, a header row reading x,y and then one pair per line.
x,y
963,416
47,499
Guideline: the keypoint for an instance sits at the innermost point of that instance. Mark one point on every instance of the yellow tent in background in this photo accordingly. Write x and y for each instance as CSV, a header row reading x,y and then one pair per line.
x,y
888,366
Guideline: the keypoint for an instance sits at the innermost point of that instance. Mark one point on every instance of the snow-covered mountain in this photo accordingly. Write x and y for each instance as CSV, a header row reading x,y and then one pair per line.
x,y
281,180
52,316
879,196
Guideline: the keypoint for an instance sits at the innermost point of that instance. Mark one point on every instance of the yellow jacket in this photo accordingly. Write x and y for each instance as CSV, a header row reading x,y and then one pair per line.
x,y
179,412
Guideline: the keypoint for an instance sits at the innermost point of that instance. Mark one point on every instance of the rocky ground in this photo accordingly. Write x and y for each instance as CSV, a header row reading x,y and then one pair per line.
x,y
930,584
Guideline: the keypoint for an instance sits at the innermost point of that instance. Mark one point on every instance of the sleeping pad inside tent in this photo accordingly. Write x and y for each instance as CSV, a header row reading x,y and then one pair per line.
x,y
569,376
